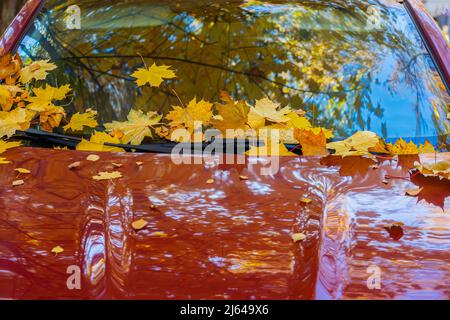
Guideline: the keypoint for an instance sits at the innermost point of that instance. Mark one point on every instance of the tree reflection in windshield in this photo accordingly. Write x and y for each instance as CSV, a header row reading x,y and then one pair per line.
x,y
351,65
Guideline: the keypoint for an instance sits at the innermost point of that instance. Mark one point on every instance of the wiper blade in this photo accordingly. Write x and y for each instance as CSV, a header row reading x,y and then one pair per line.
x,y
165,147
70,141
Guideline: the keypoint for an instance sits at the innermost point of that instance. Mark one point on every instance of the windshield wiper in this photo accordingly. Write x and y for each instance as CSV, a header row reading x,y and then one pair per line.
x,y
70,141
44,137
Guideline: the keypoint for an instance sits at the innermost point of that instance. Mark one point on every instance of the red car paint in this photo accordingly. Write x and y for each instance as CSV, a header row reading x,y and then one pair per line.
x,y
227,240
432,36
17,28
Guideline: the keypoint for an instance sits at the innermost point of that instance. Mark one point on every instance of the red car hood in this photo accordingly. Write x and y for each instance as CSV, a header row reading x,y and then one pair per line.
x,y
230,239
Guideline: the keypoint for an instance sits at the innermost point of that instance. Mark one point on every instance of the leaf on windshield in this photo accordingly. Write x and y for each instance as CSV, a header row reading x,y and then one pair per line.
x,y
154,75
357,145
233,114
271,149
192,117
37,70
136,128
97,143
313,144
10,68
44,97
80,120
401,147
267,110
427,147
17,119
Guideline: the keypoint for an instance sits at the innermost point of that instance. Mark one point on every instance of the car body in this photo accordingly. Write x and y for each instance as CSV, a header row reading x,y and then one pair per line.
x,y
229,239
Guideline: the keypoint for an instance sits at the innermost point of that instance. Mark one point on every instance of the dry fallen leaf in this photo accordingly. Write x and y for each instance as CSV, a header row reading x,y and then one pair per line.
x,y
139,224
80,120
136,128
154,75
36,70
439,169
5,145
160,234
4,161
296,237
233,114
191,116
57,250
402,147
22,170
357,145
18,183
92,157
97,143
395,230
413,192
107,175
305,200
74,165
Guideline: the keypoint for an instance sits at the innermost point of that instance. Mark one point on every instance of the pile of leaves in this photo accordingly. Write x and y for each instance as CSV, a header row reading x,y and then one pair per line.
x,y
27,100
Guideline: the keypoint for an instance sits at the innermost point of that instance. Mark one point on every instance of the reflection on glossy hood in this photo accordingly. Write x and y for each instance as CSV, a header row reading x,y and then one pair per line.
x,y
228,239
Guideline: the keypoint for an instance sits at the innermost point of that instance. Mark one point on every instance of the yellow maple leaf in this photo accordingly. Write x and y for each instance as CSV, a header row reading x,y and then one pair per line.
x,y
139,224
195,116
437,169
8,95
266,109
297,121
427,147
80,120
107,175
44,97
51,117
4,161
401,147
36,70
154,75
96,143
58,249
313,142
5,145
283,133
17,119
277,150
357,145
9,68
136,128
233,115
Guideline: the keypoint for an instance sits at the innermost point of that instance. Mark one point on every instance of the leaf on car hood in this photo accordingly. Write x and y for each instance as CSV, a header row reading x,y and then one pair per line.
x,y
107,175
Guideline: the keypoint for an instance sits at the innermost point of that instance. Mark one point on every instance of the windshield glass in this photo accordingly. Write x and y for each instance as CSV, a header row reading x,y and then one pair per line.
x,y
351,65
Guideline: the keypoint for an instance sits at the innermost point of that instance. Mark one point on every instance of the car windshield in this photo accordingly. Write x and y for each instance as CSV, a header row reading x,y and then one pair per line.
x,y
350,65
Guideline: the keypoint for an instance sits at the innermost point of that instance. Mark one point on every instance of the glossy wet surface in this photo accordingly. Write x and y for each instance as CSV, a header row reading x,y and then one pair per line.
x,y
230,239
